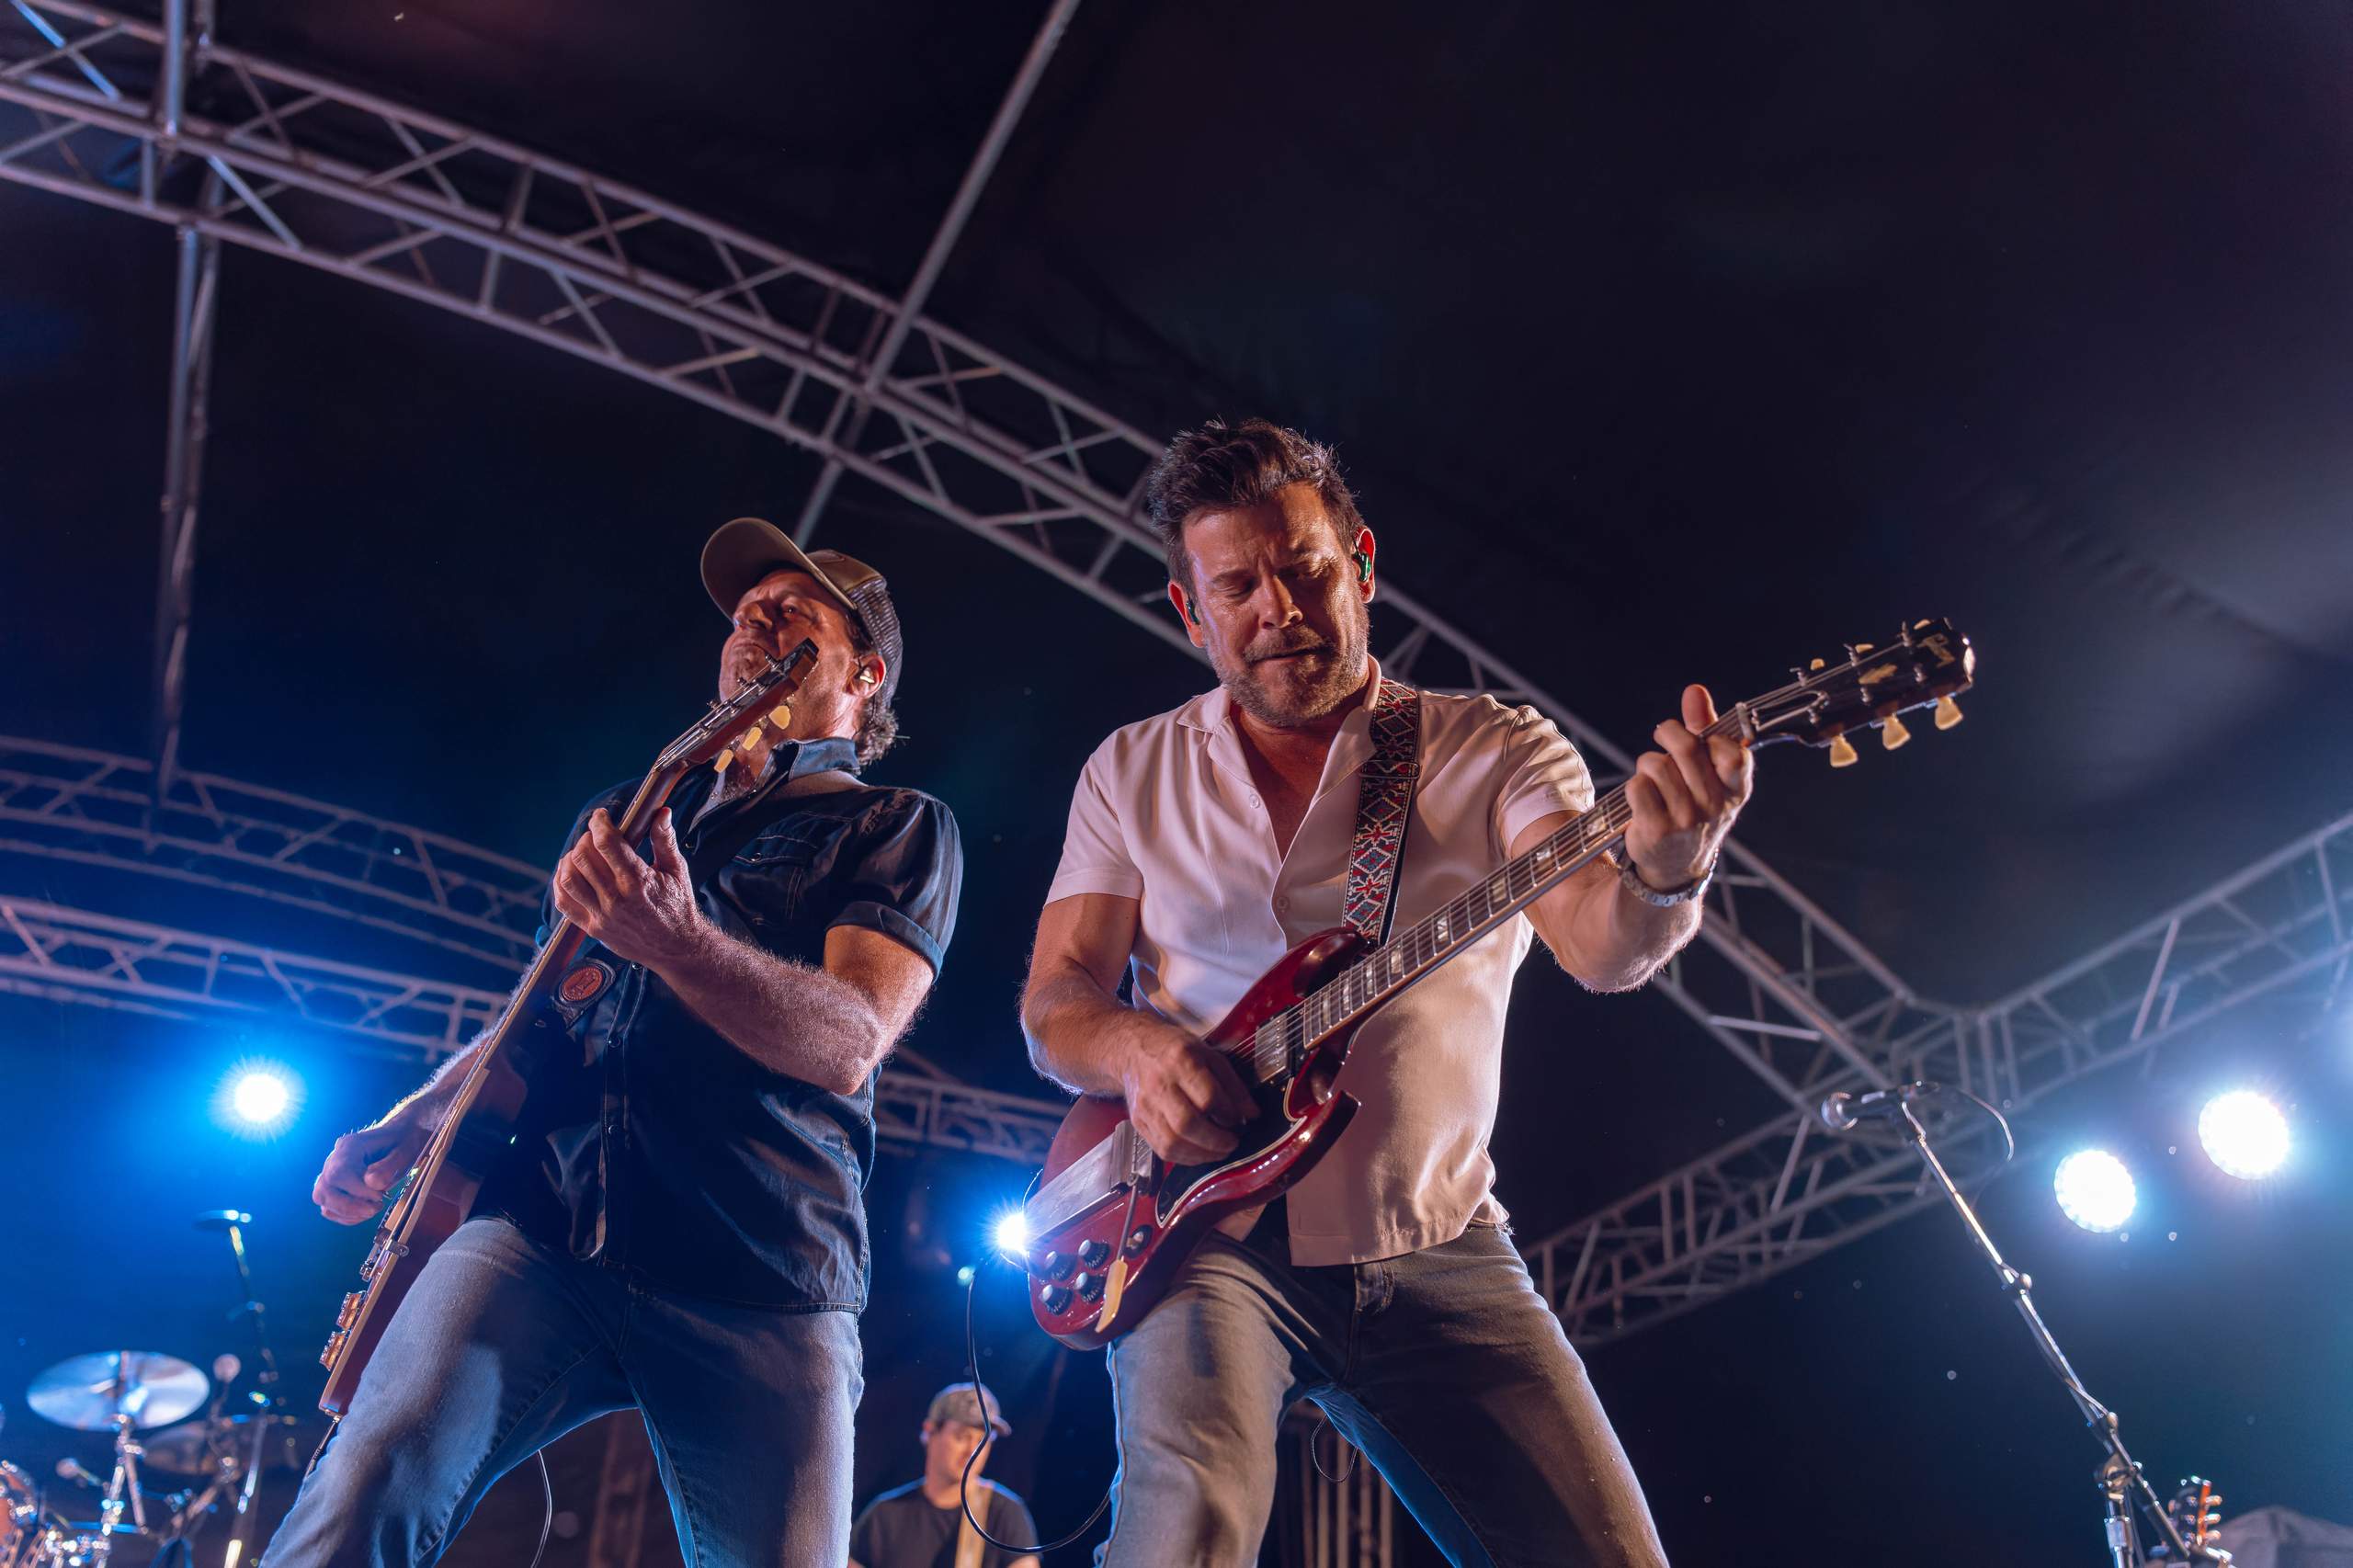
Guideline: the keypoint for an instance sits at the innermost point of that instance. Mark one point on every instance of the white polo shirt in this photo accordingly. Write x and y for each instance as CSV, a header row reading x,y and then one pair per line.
x,y
1166,814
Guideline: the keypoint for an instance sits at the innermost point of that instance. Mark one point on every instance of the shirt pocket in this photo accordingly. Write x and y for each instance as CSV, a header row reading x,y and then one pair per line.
x,y
771,883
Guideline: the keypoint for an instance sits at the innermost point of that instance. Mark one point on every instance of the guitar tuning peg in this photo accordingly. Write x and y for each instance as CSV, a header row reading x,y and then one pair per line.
x,y
1893,731
1842,752
1815,665
1859,649
782,715
1921,625
1948,712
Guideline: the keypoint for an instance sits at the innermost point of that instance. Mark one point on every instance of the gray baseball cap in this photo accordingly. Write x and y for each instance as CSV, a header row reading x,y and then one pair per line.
x,y
958,1401
743,551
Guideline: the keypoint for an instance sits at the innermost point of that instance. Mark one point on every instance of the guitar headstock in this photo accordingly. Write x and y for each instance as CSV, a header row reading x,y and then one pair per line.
x,y
1929,663
733,727
2196,1510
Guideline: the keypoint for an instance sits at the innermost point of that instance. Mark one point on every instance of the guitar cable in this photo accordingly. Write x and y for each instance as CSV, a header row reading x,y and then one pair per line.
x,y
547,1516
988,1436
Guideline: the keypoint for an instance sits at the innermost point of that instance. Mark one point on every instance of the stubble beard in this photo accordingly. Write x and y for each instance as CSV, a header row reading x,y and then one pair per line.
x,y
1292,693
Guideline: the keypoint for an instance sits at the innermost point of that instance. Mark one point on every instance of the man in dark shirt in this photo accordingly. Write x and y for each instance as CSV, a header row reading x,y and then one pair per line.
x,y
922,1524
679,1229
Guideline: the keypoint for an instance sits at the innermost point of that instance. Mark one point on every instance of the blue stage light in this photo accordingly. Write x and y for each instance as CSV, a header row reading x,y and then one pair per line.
x,y
1011,1234
2094,1189
2244,1133
258,1100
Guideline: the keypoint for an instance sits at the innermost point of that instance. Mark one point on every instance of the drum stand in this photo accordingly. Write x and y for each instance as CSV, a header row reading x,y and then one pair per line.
x,y
2120,1481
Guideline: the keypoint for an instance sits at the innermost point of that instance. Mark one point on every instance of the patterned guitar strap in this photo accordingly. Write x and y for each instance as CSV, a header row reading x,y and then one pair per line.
x,y
1384,802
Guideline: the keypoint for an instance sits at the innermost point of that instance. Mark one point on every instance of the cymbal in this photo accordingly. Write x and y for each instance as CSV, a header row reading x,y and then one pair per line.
x,y
88,1391
204,1449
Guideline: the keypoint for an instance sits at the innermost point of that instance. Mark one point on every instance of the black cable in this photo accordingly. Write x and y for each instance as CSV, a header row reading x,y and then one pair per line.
x,y
547,1518
988,1436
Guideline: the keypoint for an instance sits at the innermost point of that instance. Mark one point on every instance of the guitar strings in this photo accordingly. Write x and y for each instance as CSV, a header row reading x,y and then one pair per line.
x,y
1275,1045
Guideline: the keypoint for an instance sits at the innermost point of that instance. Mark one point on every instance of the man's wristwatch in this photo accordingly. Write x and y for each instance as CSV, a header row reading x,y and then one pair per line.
x,y
1671,896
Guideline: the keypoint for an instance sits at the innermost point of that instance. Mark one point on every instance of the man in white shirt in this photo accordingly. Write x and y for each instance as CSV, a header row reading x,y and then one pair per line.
x,y
1204,842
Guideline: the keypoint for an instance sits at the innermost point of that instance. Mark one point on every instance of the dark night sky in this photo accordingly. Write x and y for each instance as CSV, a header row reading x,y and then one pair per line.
x,y
1663,343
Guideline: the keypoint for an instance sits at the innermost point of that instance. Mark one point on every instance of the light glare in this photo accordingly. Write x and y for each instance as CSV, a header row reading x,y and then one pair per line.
x,y
2095,1190
1012,1234
2244,1133
258,1098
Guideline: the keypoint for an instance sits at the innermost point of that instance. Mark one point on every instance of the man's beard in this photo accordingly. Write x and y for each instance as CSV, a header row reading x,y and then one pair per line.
x,y
1293,692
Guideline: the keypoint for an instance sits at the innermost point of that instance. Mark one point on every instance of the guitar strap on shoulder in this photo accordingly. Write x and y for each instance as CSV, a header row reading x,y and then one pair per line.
x,y
1385,802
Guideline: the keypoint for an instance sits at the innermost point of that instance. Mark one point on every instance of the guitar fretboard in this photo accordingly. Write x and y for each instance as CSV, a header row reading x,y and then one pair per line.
x,y
1280,1044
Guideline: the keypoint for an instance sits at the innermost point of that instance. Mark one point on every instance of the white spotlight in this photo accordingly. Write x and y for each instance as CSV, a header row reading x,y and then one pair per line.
x,y
1012,1234
2244,1133
2094,1189
257,1099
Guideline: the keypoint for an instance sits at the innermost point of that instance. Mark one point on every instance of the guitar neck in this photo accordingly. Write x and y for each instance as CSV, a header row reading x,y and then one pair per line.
x,y
1378,977
554,956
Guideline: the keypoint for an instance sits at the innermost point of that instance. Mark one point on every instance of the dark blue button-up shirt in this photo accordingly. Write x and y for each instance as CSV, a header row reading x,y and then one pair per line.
x,y
655,1145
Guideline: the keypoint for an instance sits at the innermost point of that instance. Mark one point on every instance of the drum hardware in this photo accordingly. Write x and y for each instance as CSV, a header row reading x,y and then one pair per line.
x,y
144,1399
122,1391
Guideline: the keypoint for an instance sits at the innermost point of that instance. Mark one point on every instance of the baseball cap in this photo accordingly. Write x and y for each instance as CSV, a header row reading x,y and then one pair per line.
x,y
958,1401
743,551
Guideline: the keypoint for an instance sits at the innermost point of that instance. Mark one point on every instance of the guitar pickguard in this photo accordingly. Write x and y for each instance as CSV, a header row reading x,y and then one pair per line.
x,y
1269,1127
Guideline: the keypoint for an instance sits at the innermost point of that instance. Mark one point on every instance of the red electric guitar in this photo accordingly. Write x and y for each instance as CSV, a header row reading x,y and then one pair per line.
x,y
439,1191
1111,1222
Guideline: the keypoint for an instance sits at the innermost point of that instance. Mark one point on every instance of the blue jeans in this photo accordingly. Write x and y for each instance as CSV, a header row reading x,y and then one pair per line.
x,y
504,1345
1443,1367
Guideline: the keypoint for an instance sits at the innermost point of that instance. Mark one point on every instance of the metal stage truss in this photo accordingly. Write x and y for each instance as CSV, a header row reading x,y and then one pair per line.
x,y
157,120
77,956
97,809
1789,1192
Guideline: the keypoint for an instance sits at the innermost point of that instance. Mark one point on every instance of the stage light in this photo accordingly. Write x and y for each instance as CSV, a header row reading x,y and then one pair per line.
x,y
1012,1234
2244,1133
2094,1189
259,1097
964,1275
258,1100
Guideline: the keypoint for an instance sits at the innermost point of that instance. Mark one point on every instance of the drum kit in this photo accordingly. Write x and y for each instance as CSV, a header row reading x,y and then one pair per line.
x,y
149,1404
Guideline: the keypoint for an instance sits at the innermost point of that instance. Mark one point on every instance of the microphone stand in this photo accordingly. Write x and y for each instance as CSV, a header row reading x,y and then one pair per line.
x,y
270,1402
2119,1479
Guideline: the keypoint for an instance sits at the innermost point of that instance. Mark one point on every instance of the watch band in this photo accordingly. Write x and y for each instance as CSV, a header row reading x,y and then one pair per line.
x,y
1632,881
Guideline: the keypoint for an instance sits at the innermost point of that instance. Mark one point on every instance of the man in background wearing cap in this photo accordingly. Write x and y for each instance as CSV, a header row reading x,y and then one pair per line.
x,y
679,1228
922,1524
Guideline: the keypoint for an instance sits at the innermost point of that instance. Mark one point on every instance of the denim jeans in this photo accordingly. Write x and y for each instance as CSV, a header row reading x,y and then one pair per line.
x,y
1443,1367
503,1345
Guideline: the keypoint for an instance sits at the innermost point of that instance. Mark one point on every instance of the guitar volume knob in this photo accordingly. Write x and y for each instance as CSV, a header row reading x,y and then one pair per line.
x,y
1054,1265
1090,1287
1056,1299
1093,1254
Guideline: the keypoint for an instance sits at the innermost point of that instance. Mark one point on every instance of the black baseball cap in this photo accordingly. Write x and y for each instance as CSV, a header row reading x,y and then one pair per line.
x,y
743,551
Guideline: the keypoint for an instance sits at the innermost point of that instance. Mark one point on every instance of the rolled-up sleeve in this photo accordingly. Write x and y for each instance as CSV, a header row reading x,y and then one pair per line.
x,y
1542,775
1095,848
905,873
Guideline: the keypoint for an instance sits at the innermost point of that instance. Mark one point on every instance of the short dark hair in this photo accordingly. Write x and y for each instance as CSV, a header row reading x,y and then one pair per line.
x,y
1221,466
